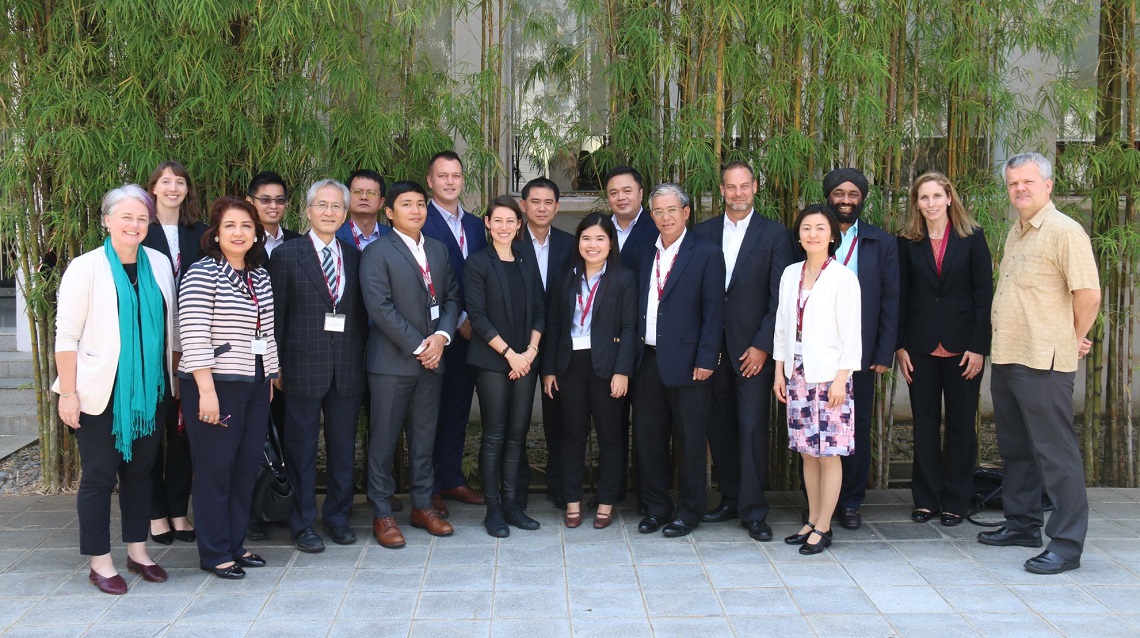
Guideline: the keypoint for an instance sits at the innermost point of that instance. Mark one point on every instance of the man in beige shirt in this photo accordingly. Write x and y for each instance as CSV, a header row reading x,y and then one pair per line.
x,y
1047,298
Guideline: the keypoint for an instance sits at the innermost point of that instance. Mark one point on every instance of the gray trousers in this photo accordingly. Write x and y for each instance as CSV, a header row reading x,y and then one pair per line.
x,y
1038,447
410,404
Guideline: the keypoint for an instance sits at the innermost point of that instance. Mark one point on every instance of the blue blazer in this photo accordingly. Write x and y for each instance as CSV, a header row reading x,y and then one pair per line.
x,y
641,240
690,315
345,233
476,241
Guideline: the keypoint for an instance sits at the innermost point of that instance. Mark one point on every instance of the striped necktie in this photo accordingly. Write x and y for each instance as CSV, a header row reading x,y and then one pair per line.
x,y
329,266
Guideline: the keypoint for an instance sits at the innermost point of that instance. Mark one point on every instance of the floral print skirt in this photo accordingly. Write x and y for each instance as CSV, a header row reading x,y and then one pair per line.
x,y
814,428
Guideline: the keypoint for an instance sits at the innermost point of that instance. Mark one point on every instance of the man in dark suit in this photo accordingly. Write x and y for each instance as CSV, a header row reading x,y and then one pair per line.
x,y
268,194
366,200
681,329
549,249
756,251
412,298
462,234
320,325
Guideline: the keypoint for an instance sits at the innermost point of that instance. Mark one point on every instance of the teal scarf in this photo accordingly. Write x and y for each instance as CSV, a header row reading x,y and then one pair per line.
x,y
139,382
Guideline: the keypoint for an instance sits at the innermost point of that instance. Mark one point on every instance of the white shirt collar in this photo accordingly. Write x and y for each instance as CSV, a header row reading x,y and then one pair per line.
x,y
534,239
320,245
413,245
633,223
674,247
742,224
453,218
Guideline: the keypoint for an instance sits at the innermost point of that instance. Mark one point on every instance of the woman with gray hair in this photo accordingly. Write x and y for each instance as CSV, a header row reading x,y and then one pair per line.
x,y
115,362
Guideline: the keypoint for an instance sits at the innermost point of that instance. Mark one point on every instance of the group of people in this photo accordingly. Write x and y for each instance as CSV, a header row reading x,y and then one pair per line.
x,y
685,332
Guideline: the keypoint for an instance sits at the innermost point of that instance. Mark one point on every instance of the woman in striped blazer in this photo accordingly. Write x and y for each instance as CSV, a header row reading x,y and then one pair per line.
x,y
229,357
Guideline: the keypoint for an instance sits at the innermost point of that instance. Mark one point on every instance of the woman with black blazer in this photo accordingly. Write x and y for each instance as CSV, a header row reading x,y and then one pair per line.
x,y
944,337
592,328
506,306
176,232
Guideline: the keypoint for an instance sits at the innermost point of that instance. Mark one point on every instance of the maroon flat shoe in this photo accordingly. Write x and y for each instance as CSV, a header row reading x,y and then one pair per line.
x,y
150,573
109,585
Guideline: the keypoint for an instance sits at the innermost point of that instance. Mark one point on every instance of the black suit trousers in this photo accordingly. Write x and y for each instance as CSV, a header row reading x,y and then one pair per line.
x,y
302,430
172,472
943,470
659,412
857,465
584,395
411,405
738,436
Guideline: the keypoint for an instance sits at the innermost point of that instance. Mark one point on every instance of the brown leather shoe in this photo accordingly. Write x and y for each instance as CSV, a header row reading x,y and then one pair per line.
x,y
387,533
426,518
439,507
464,494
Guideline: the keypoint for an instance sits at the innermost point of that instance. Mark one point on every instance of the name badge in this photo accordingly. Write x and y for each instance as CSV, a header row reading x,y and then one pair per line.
x,y
581,343
334,322
259,346
434,313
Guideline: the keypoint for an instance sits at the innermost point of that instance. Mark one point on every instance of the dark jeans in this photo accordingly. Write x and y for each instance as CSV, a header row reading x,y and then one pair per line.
x,y
172,469
584,394
505,406
943,471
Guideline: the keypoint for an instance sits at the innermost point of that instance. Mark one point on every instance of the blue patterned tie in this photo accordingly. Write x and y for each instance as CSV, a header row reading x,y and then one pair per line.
x,y
329,267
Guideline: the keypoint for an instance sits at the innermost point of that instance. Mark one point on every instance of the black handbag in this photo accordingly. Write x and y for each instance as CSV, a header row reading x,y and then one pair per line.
x,y
272,492
986,493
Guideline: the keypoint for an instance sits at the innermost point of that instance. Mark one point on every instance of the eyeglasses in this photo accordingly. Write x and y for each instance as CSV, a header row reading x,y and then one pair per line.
x,y
672,211
357,192
265,201
324,207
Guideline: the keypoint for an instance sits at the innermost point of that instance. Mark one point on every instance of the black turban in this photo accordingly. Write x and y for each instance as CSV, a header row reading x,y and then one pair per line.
x,y
840,175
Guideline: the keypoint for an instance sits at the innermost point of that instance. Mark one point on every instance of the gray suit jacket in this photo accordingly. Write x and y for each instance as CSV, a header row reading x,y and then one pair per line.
x,y
398,303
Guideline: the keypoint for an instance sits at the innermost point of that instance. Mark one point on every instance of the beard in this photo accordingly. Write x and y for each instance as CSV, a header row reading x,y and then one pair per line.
x,y
848,218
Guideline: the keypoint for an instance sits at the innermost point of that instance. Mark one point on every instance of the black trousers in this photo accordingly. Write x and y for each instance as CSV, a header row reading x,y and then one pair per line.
x,y
302,430
584,395
857,465
451,424
1039,449
103,467
170,497
226,460
505,406
411,405
943,470
738,436
660,411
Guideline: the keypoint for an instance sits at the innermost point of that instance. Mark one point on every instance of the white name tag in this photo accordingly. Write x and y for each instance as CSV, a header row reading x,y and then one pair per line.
x,y
581,343
434,313
259,346
334,322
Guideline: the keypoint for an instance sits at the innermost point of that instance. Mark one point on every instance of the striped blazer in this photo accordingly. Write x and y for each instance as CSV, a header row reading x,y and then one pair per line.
x,y
218,319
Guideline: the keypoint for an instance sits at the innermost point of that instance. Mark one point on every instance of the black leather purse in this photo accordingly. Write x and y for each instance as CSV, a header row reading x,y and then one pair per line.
x,y
272,492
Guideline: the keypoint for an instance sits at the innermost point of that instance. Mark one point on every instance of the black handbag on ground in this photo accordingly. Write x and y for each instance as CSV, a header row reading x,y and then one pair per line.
x,y
272,492
985,492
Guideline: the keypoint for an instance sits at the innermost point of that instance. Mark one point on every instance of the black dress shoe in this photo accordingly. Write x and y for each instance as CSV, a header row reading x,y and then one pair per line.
x,y
850,518
309,542
233,572
797,538
808,549
252,560
721,514
759,530
1049,563
165,538
921,515
678,528
341,534
1004,537
649,524
185,535
255,531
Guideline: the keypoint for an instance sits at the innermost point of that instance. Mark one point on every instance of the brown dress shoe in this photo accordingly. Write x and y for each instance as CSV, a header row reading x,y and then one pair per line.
x,y
439,507
426,518
387,533
464,494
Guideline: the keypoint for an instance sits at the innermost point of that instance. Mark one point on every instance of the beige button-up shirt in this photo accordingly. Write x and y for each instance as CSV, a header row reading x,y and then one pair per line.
x,y
1045,260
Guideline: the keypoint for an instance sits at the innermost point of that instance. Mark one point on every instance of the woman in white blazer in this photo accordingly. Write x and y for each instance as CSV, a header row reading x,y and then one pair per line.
x,y
817,345
114,345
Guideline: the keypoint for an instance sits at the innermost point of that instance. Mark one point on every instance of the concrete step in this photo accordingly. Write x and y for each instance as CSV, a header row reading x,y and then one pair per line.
x,y
15,364
7,339
12,443
19,420
16,391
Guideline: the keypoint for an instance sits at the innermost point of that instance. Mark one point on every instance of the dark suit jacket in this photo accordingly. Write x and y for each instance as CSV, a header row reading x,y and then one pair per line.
x,y
189,243
490,303
398,303
562,247
613,330
878,255
640,241
475,237
690,315
754,290
345,232
952,309
312,358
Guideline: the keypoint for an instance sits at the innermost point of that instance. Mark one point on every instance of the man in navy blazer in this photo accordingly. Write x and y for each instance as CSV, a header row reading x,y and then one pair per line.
x,y
366,200
463,234
549,249
681,327
320,325
756,251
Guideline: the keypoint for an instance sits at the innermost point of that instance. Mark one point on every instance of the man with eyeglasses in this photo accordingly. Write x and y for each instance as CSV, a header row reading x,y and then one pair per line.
x,y
366,199
681,327
267,193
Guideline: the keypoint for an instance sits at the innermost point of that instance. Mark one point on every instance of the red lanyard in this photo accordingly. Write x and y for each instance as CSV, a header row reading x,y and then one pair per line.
x,y
355,237
177,265
657,266
329,284
801,305
850,251
585,307
256,303
427,280
462,238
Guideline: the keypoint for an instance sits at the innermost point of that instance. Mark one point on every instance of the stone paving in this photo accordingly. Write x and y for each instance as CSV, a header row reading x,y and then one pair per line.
x,y
891,578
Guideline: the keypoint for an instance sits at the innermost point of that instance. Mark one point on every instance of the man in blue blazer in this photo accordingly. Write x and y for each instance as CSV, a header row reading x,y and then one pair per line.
x,y
366,200
681,327
463,234
549,249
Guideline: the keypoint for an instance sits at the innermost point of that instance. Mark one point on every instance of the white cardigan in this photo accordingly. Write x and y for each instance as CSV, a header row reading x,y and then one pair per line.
x,y
832,334
87,323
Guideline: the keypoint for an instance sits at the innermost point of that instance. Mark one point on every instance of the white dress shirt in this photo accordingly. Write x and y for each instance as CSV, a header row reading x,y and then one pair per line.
x,y
664,262
730,242
338,261
420,256
360,238
623,235
582,321
541,253
272,241
455,223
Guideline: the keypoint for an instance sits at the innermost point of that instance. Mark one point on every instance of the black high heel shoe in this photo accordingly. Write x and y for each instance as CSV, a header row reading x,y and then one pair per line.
x,y
798,539
807,549
184,535
165,538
